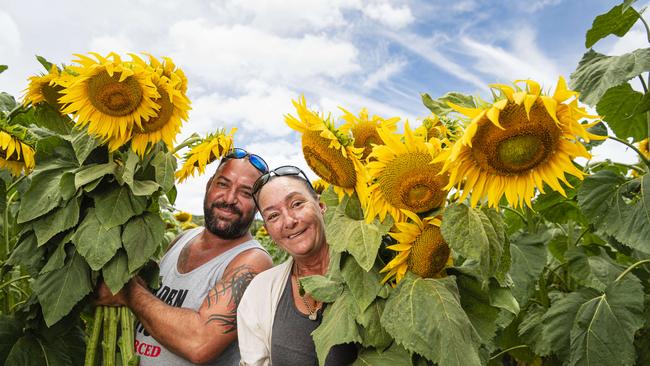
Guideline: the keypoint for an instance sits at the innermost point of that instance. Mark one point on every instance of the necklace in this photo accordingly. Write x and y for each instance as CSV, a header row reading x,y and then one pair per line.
x,y
313,312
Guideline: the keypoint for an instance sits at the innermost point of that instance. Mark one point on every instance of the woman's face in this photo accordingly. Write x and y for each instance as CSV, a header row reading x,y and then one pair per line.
x,y
292,216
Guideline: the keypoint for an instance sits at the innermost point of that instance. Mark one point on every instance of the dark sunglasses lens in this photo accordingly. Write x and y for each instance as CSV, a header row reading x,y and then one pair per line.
x,y
238,153
258,163
287,170
260,182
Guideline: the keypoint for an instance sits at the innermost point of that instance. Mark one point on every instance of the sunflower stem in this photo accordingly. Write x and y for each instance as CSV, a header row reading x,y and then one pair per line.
x,y
190,140
7,283
15,183
645,24
643,158
6,222
630,268
643,84
523,218
91,348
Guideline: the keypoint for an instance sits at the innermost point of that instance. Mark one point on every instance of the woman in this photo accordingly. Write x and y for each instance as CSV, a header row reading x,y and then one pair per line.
x,y
274,321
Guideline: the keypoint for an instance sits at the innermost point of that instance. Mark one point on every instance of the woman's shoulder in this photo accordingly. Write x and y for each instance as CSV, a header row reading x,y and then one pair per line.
x,y
269,277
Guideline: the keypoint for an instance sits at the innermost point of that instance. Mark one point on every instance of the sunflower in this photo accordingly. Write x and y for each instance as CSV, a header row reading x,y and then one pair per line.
x,y
204,152
183,216
421,248
433,128
47,88
174,106
643,147
110,97
364,130
404,176
15,155
328,151
517,144
261,232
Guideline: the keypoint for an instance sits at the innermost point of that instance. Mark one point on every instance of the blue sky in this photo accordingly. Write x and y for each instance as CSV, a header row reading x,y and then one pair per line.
x,y
246,60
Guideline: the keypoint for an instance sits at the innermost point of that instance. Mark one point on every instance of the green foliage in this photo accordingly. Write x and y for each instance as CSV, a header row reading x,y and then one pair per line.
x,y
596,73
617,21
3,68
116,206
479,236
426,317
395,355
441,108
354,236
528,261
621,107
338,326
141,237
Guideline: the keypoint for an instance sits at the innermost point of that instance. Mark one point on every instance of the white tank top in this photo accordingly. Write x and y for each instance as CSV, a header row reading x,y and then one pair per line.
x,y
187,290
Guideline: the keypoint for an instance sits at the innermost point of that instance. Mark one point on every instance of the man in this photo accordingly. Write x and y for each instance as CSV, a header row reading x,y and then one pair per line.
x,y
192,318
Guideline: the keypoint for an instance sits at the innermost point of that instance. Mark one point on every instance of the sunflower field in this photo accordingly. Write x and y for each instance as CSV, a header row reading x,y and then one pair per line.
x,y
486,233
89,169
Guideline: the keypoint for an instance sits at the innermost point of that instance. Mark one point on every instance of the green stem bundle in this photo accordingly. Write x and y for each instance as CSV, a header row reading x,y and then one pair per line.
x,y
105,327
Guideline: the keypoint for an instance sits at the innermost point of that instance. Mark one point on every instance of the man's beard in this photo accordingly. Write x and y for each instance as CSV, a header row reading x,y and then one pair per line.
x,y
234,229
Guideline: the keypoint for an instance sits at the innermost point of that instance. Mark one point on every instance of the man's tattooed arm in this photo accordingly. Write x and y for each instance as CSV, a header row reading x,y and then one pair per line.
x,y
229,290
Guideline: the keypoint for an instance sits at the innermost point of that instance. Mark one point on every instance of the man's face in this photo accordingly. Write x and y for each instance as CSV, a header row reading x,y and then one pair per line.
x,y
228,205
292,216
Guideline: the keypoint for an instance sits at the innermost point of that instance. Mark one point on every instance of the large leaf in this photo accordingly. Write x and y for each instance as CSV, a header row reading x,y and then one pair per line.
x,y
92,172
617,21
141,237
364,285
596,72
338,326
373,333
42,196
83,144
528,260
56,260
165,166
3,68
621,108
10,332
558,322
477,235
603,198
116,206
96,243
595,271
116,272
531,327
30,350
355,236
57,221
441,108
27,254
7,102
322,288
60,290
425,316
50,118
475,301
603,333
393,356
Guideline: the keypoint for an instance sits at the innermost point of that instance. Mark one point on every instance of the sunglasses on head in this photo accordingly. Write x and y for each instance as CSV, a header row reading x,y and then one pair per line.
x,y
255,160
285,170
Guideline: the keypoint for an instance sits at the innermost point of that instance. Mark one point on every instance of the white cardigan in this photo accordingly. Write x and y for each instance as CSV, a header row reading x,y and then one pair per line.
x,y
256,312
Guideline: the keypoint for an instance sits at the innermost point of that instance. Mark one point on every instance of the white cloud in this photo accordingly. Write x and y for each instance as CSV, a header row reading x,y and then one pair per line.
x,y
118,44
523,60
227,55
387,14
533,6
258,111
9,35
635,38
384,73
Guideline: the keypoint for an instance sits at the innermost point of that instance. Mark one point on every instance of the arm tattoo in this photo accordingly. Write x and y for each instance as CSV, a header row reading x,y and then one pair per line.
x,y
236,284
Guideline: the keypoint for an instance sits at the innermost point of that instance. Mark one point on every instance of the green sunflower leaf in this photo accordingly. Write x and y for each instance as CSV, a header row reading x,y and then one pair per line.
x,y
83,144
617,21
393,356
338,326
479,236
60,290
50,118
344,233
56,260
46,64
27,254
441,108
7,102
165,166
3,68
60,219
603,332
618,207
372,332
621,107
592,271
42,196
32,350
116,206
322,288
95,242
476,303
597,72
426,317
528,260
116,272
364,285
141,237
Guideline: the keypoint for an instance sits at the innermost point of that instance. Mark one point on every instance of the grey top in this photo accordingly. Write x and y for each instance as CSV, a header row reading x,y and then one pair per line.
x,y
291,341
187,290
